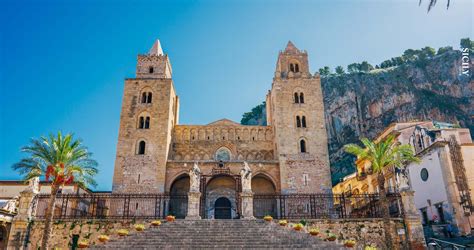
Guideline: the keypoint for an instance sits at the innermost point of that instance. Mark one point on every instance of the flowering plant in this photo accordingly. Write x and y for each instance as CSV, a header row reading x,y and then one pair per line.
x,y
83,244
156,223
139,227
314,231
283,222
370,248
331,237
268,218
298,227
170,218
122,232
349,243
103,238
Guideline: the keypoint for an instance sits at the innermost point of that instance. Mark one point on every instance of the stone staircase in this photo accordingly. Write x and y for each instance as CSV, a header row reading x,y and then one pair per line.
x,y
221,234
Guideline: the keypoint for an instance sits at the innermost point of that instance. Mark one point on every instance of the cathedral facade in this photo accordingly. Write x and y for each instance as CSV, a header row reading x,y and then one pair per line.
x,y
155,153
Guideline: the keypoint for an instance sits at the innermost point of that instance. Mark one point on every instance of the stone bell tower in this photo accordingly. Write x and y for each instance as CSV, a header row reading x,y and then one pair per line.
x,y
149,112
295,111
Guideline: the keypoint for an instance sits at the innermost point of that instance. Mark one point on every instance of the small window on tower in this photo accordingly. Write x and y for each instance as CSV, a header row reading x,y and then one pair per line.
x,y
302,146
141,122
141,148
297,99
303,121
144,97
297,68
298,122
149,97
147,122
301,98
292,67
151,70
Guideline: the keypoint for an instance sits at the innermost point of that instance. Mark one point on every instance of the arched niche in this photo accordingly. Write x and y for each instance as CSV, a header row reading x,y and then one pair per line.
x,y
222,186
179,189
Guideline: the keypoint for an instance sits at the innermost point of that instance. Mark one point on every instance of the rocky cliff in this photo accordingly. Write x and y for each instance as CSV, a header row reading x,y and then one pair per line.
x,y
362,104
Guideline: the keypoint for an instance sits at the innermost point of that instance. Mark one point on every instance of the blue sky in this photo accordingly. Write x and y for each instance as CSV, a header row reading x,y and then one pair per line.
x,y
62,63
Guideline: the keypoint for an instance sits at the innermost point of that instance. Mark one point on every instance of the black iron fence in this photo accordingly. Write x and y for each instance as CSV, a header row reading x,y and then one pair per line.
x,y
113,206
280,206
320,206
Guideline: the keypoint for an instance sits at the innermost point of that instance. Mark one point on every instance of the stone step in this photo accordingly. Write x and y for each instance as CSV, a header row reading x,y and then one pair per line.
x,y
218,234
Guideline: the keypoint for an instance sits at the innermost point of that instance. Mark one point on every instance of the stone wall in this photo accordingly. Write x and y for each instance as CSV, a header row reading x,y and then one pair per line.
x,y
363,231
63,231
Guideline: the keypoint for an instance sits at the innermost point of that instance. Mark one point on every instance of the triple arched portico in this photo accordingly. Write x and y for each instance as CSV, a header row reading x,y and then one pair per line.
x,y
220,195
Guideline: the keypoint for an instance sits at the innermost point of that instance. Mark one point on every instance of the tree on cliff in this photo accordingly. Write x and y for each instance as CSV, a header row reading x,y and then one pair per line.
x,y
61,160
382,156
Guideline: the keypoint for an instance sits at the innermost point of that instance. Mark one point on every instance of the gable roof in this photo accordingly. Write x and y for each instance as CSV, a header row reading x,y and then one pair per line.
x,y
224,122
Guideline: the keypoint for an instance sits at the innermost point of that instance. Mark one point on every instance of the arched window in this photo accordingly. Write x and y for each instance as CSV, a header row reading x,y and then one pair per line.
x,y
141,148
146,97
141,122
297,68
297,99
302,146
149,97
298,122
223,154
147,122
301,98
150,70
292,67
303,121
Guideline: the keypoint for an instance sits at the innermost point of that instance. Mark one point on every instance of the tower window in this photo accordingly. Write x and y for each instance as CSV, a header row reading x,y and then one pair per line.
x,y
301,98
292,67
141,148
297,68
302,146
146,97
303,121
298,122
144,122
147,122
151,70
141,122
297,99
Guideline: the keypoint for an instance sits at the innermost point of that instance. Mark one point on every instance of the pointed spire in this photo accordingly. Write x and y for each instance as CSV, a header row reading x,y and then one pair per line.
x,y
156,49
290,47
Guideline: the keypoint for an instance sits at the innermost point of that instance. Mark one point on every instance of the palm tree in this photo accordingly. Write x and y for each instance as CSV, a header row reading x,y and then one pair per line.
x,y
61,160
432,3
382,155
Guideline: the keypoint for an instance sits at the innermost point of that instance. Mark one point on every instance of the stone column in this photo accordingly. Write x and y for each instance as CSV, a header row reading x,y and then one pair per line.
x,y
19,227
246,210
193,206
414,234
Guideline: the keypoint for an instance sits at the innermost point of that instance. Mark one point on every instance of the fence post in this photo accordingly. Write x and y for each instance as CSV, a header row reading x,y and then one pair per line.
x,y
416,238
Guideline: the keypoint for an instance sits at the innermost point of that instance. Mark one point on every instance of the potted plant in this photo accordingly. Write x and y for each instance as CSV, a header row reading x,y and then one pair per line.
x,y
268,218
122,232
283,222
369,247
298,227
170,218
156,223
83,244
331,237
314,231
103,238
139,227
349,243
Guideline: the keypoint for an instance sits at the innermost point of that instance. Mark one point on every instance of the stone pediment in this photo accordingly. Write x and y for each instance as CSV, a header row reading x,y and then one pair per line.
x,y
223,122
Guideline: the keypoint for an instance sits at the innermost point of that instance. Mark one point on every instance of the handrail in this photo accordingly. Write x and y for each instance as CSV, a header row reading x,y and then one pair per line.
x,y
451,244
